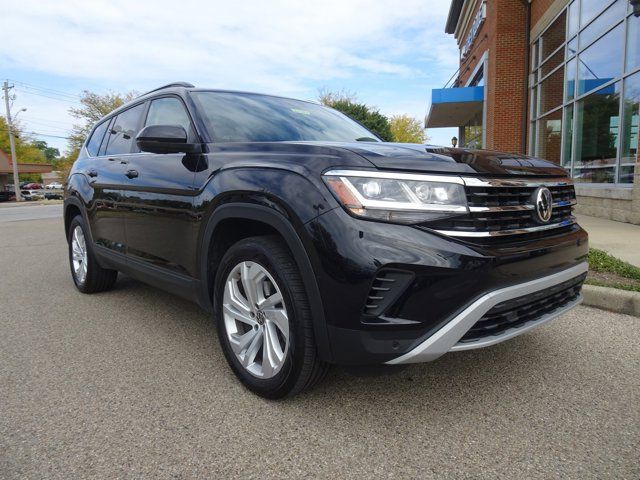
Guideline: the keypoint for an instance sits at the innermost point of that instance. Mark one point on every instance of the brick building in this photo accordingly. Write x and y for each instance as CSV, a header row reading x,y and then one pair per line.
x,y
558,79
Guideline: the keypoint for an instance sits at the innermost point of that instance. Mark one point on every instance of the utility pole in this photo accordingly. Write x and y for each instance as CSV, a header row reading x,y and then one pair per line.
x,y
14,157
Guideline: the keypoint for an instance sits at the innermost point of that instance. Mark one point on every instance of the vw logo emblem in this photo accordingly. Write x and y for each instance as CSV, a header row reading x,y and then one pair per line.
x,y
543,203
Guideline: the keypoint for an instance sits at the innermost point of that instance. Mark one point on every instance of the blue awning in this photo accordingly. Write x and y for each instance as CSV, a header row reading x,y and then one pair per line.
x,y
454,107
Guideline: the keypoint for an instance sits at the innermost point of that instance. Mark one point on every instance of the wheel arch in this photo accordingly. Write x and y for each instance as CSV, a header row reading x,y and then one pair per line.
x,y
257,220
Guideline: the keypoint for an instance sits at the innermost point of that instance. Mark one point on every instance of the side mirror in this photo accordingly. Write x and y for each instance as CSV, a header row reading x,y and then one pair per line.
x,y
165,139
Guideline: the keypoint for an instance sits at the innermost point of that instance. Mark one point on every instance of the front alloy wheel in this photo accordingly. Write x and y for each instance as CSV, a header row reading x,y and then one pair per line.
x,y
256,320
263,318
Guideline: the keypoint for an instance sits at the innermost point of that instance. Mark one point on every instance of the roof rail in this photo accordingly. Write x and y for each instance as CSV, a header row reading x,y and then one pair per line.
x,y
169,85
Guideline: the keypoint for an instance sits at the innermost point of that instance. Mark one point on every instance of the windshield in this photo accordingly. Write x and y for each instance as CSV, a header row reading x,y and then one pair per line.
x,y
248,117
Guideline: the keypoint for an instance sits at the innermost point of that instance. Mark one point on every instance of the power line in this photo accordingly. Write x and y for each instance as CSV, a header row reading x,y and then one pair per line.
x,y
66,100
48,90
37,134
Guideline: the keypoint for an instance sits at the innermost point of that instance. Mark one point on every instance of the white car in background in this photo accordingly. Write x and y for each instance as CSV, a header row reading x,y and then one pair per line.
x,y
54,186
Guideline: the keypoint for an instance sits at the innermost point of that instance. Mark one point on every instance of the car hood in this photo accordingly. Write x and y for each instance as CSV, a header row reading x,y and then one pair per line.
x,y
429,158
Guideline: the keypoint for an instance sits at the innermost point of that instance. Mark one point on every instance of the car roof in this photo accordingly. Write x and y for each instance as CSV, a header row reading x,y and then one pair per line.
x,y
181,87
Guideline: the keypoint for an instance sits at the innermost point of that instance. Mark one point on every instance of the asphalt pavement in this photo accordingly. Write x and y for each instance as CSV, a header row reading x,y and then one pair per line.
x,y
132,384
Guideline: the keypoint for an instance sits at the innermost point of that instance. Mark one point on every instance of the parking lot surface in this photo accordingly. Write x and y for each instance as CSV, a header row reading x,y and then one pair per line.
x,y
132,384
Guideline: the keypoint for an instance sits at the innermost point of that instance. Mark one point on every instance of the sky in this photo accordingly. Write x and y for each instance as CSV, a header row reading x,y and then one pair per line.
x,y
389,53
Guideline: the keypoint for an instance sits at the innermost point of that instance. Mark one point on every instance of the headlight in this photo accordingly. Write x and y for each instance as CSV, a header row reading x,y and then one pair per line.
x,y
397,197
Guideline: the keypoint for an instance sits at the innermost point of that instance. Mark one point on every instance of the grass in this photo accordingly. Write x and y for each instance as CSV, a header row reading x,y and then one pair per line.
x,y
619,286
608,271
601,261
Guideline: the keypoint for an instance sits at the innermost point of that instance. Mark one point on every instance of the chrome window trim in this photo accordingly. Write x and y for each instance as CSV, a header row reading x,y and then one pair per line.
x,y
502,233
446,339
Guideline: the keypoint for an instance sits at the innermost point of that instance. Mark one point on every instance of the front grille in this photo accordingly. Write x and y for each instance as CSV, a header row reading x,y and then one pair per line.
x,y
503,209
518,312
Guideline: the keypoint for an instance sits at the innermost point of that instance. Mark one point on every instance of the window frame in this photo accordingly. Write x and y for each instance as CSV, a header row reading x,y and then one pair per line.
x,y
536,116
106,121
114,118
193,136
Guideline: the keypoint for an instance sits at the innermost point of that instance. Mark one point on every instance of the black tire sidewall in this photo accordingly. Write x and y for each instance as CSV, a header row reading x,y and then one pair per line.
x,y
262,253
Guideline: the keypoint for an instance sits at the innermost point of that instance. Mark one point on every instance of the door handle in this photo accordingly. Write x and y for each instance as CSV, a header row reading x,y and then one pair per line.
x,y
111,159
132,173
124,162
92,173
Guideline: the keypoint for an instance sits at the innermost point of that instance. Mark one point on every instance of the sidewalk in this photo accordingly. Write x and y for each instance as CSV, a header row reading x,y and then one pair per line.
x,y
621,240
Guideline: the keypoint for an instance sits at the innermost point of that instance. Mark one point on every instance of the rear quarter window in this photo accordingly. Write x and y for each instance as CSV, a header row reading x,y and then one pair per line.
x,y
93,145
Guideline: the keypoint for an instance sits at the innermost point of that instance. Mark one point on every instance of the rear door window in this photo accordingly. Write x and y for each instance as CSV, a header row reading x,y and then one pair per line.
x,y
169,111
124,129
93,145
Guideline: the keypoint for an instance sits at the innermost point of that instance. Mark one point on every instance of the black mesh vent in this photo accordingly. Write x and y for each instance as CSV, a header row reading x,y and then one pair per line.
x,y
387,286
517,312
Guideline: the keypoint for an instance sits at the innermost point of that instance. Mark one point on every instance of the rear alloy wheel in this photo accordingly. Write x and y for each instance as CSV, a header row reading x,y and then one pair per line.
x,y
79,254
264,320
88,275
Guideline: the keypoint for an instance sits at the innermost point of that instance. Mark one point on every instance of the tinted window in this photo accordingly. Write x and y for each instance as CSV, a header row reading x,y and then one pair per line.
x,y
93,145
169,111
246,117
124,130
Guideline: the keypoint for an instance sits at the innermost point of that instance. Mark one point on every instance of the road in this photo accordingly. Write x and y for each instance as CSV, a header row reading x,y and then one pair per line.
x,y
11,212
132,384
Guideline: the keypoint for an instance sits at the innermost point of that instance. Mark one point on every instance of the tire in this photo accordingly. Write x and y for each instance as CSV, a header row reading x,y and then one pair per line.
x,y
90,277
295,365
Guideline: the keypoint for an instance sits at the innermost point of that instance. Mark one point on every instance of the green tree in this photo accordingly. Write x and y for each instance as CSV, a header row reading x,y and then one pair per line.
x,y
27,149
94,107
369,117
406,129
50,153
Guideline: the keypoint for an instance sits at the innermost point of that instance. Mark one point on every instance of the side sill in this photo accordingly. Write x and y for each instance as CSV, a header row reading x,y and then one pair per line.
x,y
181,285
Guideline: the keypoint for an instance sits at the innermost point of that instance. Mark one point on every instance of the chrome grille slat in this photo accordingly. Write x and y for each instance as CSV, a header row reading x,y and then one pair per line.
x,y
503,208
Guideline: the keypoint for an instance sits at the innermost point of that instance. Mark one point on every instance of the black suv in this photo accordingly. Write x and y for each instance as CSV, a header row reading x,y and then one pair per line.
x,y
314,243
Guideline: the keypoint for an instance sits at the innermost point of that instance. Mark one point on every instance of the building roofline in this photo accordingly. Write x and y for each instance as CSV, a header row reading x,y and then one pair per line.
x,y
454,15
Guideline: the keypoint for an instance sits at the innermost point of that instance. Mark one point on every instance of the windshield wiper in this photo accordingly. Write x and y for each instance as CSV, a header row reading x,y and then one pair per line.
x,y
366,139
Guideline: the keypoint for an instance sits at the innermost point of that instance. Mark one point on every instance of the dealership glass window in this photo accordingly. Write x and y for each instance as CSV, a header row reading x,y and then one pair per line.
x,y
595,111
550,136
552,63
601,24
567,141
572,47
573,19
633,43
597,135
570,82
589,9
551,90
601,62
554,36
629,128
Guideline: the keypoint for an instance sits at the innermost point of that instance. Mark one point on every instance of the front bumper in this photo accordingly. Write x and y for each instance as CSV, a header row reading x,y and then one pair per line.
x,y
448,337
438,279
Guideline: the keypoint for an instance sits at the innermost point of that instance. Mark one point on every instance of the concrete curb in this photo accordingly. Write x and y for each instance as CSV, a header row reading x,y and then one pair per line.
x,y
612,299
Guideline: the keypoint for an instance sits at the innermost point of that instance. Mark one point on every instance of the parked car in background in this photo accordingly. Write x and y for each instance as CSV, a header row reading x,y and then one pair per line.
x,y
311,241
54,186
53,194
33,186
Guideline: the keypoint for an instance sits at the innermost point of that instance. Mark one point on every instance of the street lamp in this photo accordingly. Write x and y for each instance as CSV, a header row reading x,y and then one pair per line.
x,y
454,141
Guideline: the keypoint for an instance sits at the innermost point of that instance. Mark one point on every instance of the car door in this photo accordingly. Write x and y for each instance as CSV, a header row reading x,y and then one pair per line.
x,y
159,196
108,178
107,226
